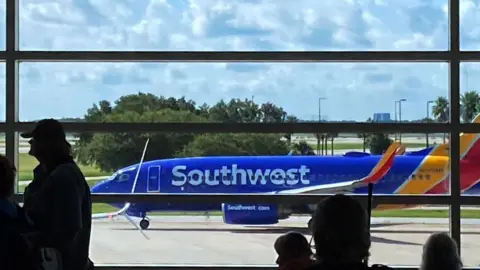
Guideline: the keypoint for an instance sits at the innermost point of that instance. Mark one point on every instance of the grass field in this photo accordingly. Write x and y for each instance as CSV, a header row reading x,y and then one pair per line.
x,y
359,146
27,163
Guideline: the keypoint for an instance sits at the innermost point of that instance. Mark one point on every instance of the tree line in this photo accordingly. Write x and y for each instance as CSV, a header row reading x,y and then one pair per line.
x,y
111,151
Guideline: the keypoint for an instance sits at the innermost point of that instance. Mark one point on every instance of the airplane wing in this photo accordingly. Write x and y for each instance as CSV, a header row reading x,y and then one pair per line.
x,y
380,170
112,214
127,205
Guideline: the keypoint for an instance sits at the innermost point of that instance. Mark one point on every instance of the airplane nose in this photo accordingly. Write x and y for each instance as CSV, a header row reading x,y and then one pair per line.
x,y
98,188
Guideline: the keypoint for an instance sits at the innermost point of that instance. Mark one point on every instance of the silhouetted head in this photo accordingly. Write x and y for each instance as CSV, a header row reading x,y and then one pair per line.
x,y
48,140
292,246
440,253
7,177
340,231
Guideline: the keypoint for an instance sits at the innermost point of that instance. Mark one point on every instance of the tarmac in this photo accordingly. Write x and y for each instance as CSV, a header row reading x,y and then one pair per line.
x,y
202,240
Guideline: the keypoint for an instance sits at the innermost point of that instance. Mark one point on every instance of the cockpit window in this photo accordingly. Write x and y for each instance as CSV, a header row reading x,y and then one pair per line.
x,y
123,177
112,177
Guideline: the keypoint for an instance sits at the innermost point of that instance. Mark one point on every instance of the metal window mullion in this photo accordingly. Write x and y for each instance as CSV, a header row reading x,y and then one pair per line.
x,y
232,56
454,70
11,84
255,127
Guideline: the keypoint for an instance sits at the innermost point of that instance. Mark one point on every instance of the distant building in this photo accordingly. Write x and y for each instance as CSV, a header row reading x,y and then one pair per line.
x,y
382,117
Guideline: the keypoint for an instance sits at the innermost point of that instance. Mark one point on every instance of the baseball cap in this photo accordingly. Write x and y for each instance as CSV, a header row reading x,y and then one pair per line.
x,y
47,130
292,244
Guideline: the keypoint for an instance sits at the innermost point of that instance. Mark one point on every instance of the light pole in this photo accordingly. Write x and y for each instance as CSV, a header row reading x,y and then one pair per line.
x,y
400,116
428,115
320,108
396,101
319,120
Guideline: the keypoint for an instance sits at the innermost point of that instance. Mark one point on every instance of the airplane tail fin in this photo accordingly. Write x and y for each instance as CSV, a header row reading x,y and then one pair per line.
x,y
470,143
384,165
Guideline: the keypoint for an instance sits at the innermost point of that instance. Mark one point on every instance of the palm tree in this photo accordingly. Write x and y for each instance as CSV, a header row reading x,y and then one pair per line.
x,y
441,111
469,101
332,137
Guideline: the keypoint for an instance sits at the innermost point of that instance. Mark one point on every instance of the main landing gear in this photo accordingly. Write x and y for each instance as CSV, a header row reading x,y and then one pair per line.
x,y
144,223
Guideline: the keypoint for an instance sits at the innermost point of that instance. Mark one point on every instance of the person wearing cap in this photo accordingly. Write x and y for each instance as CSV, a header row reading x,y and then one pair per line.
x,y
57,201
294,252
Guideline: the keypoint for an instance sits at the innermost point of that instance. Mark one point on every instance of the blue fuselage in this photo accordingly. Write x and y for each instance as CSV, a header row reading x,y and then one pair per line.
x,y
249,174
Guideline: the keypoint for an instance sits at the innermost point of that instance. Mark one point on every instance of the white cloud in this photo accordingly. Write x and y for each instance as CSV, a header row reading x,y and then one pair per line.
x,y
353,91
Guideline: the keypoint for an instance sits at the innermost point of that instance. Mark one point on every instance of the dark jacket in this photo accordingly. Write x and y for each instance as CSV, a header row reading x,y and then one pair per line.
x,y
59,206
15,251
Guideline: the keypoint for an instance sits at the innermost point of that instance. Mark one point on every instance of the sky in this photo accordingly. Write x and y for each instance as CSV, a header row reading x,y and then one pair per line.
x,y
353,91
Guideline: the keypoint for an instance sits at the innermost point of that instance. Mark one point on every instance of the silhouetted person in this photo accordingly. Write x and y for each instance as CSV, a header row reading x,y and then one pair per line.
x,y
58,201
14,249
440,253
341,234
7,182
294,252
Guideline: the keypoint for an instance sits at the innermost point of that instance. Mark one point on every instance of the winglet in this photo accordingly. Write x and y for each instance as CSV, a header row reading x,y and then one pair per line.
x,y
384,165
401,150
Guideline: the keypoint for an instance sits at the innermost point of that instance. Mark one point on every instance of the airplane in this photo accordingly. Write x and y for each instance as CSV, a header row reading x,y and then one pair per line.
x,y
423,172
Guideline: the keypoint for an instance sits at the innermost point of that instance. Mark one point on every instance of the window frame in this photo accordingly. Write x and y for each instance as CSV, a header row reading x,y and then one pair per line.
x,y
453,56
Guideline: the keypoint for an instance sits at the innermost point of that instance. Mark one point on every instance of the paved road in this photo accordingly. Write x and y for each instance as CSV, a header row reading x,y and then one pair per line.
x,y
313,140
212,242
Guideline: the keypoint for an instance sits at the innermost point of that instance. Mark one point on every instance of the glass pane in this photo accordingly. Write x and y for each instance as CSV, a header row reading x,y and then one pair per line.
x,y
256,163
399,239
469,95
2,143
3,34
470,235
469,160
3,108
468,25
178,25
307,92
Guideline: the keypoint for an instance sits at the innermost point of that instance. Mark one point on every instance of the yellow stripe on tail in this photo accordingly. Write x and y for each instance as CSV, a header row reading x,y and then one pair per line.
x,y
467,141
